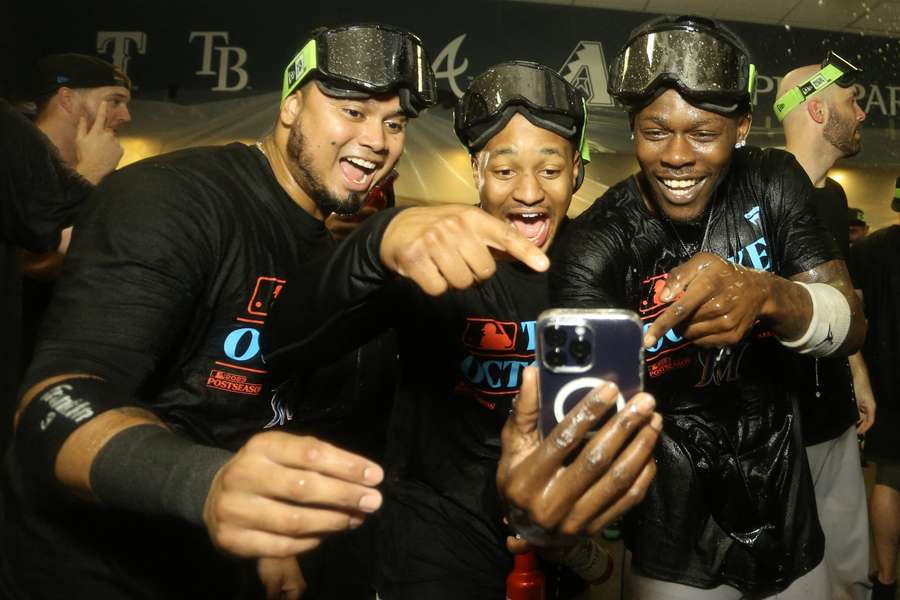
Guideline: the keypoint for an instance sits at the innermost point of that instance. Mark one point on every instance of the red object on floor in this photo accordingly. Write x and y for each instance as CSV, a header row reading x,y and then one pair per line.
x,y
525,581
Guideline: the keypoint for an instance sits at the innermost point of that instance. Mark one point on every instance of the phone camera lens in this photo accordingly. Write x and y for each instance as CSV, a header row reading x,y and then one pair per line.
x,y
580,350
555,337
555,357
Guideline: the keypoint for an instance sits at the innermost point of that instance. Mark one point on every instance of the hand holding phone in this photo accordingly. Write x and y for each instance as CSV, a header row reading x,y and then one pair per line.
x,y
551,497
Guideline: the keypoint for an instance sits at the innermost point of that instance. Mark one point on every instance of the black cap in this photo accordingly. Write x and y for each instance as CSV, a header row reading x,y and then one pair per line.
x,y
895,203
75,71
856,216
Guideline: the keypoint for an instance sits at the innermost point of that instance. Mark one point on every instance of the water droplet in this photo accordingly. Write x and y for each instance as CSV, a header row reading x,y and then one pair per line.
x,y
787,27
821,2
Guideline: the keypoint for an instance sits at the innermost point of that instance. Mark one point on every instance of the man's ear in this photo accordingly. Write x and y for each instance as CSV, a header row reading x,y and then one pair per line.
x,y
576,168
477,170
291,107
817,110
743,127
68,100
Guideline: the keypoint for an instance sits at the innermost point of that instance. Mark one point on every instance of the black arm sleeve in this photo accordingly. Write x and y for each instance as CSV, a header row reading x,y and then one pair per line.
x,y
130,284
39,194
342,302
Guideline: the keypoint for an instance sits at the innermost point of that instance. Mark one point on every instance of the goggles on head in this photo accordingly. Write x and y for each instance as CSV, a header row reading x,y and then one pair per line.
x,y
835,70
697,59
539,93
364,60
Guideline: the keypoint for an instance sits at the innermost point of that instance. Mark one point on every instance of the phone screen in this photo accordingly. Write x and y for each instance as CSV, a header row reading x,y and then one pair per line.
x,y
579,349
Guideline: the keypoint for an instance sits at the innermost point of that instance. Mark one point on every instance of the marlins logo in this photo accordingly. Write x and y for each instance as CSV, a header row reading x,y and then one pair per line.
x,y
586,70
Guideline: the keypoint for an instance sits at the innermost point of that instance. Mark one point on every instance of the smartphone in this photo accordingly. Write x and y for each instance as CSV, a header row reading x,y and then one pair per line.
x,y
579,349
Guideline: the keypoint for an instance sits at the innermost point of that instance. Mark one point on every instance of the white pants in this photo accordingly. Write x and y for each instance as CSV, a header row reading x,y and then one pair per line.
x,y
841,501
812,586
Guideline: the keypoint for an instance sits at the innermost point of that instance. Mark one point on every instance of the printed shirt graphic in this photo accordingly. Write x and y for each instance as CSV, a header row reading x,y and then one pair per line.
x,y
672,352
495,353
240,369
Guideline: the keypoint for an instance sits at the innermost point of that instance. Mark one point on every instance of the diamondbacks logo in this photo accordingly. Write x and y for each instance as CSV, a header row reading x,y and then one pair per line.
x,y
586,70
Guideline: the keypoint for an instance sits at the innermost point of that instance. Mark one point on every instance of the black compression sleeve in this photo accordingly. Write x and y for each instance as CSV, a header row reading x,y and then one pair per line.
x,y
149,469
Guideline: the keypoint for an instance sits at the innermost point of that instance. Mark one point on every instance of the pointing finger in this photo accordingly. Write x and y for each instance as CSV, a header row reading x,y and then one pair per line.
x,y
499,235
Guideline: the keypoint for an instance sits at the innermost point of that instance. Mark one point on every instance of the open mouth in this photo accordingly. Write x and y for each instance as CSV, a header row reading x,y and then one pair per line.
x,y
358,172
533,225
682,189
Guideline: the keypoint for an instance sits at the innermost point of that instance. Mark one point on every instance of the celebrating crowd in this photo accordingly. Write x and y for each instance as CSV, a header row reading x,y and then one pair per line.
x,y
179,431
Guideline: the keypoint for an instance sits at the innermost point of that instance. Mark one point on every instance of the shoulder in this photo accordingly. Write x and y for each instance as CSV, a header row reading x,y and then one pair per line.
x,y
192,180
768,168
879,240
618,208
604,230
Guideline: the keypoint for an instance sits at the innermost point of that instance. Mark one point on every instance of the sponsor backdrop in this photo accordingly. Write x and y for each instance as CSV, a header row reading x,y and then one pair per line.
x,y
192,52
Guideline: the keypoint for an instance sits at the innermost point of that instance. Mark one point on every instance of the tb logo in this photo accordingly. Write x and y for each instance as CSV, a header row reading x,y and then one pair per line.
x,y
231,59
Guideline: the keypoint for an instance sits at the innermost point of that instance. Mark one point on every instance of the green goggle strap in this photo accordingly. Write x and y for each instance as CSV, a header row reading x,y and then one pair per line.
x,y
751,83
583,147
297,70
897,193
797,95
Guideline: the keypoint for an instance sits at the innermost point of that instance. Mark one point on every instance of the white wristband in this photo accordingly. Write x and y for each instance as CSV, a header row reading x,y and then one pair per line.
x,y
829,324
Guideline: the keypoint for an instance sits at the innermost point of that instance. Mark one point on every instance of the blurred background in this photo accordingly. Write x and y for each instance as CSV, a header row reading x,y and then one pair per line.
x,y
209,73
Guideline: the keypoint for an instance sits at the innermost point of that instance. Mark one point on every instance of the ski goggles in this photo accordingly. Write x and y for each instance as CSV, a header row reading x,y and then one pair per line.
x,y
550,102
363,60
835,70
699,63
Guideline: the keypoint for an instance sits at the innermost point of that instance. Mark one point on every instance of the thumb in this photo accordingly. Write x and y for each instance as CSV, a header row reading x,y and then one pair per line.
x,y
525,406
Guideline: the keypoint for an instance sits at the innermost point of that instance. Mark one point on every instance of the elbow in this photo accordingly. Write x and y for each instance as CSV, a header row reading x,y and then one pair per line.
x,y
856,337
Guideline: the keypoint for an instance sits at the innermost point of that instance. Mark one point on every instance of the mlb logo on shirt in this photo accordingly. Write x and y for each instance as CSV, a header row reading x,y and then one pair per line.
x,y
489,335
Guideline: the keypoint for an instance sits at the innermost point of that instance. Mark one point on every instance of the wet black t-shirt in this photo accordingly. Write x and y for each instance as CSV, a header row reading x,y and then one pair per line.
x,y
875,269
824,386
165,293
732,501
39,197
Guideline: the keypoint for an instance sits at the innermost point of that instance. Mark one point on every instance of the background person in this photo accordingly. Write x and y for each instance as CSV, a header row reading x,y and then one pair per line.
x,y
877,278
857,228
820,128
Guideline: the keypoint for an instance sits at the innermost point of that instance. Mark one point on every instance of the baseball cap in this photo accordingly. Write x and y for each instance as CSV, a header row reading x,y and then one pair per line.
x,y
856,216
895,203
75,71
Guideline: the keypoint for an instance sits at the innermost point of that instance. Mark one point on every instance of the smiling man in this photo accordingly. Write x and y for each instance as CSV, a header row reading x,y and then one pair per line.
x,y
716,246
465,354
139,469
